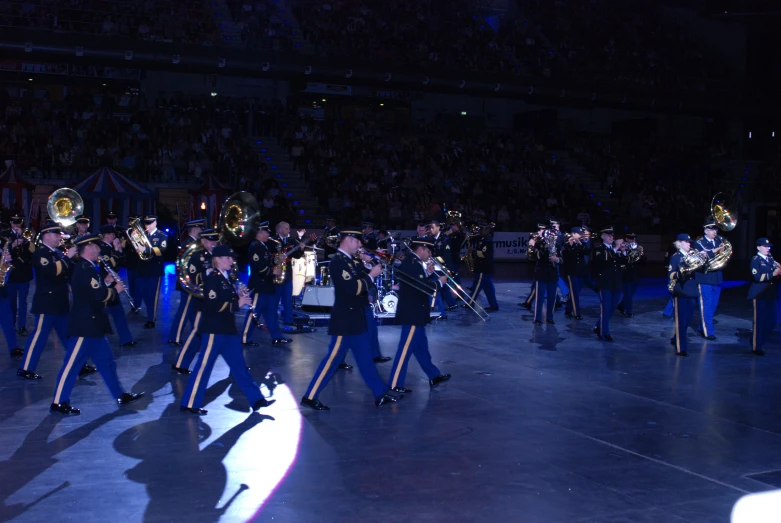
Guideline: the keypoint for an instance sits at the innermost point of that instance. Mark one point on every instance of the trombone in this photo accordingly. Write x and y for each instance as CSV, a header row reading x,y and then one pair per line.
x,y
459,291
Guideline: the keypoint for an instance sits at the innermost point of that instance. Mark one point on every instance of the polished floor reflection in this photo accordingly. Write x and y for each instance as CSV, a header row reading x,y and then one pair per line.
x,y
539,424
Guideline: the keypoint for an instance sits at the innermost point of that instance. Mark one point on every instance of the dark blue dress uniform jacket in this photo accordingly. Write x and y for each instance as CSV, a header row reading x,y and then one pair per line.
x,y
574,259
348,315
261,279
113,259
607,268
764,285
686,285
52,274
414,307
545,271
483,254
153,268
220,302
709,278
88,318
200,262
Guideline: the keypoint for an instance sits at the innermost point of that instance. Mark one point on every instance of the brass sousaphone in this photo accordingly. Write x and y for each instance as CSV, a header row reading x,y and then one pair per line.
x,y
725,220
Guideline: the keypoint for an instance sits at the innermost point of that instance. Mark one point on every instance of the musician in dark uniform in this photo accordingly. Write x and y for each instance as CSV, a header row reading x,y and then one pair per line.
x,y
413,314
457,240
630,277
709,283
684,293
150,271
607,265
185,313
131,265
555,225
441,252
284,291
82,226
483,257
545,253
347,326
383,240
200,263
371,321
112,254
219,336
261,283
6,319
330,231
18,284
51,299
87,328
575,270
111,219
528,302
369,236
765,273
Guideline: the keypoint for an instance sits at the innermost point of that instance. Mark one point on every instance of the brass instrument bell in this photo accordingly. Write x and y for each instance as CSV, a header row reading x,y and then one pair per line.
x,y
64,205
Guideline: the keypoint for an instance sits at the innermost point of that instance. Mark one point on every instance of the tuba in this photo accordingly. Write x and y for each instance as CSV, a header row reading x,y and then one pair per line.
x,y
64,205
183,275
239,218
726,221
137,236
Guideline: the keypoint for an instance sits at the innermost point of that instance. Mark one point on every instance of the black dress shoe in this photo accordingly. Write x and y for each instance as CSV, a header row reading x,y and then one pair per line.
x,y
527,306
439,379
194,410
758,352
22,332
262,402
250,344
387,398
174,342
620,307
129,344
550,322
64,408
28,375
314,404
279,341
578,317
17,353
86,370
607,337
491,309
596,330
180,370
345,366
149,325
538,322
129,397
683,353
401,390
382,359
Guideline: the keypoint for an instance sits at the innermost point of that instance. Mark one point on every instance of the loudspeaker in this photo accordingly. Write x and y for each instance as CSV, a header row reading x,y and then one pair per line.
x,y
317,298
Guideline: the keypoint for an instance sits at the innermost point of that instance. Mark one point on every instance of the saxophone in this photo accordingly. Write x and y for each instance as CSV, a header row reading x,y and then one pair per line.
x,y
5,262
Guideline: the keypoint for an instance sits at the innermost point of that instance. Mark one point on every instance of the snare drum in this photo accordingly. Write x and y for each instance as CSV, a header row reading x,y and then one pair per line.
x,y
389,302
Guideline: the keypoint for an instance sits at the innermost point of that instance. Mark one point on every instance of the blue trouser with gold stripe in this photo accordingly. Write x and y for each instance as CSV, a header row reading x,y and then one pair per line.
x,y
628,290
764,321
359,344
484,282
79,350
190,348
229,347
265,306
284,294
608,301
575,284
148,292
413,341
7,323
117,313
544,292
17,294
683,308
185,314
372,334
36,341
709,301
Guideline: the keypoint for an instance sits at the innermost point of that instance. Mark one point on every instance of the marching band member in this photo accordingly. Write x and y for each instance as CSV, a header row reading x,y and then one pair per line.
x,y
284,291
528,302
347,326
111,253
18,285
371,321
261,282
607,265
111,219
422,229
369,236
545,252
684,293
457,240
413,314
131,264
150,272
575,269
219,336
185,313
555,225
200,263
763,292
630,276
6,318
709,283
51,299
330,230
441,251
82,226
483,256
87,328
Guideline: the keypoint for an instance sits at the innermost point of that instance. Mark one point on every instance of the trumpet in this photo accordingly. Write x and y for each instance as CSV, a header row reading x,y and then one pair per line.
x,y
111,272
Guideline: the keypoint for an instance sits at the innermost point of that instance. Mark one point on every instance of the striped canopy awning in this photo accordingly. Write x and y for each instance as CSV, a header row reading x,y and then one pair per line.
x,y
16,192
107,190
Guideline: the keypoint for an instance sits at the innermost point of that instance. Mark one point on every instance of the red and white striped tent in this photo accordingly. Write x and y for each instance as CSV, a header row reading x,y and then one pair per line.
x,y
212,194
106,190
16,191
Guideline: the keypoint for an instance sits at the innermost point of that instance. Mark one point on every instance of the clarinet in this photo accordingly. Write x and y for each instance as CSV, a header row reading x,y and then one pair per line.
x,y
111,272
243,290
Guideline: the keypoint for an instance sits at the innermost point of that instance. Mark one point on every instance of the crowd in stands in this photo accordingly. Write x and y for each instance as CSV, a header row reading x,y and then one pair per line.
x,y
262,24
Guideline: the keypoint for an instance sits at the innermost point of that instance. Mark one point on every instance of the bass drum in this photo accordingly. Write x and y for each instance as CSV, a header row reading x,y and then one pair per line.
x,y
389,302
